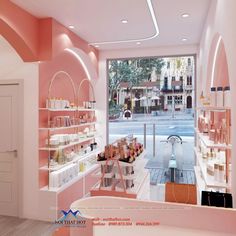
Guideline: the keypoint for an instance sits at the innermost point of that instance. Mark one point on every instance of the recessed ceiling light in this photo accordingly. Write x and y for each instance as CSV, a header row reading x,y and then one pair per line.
x,y
124,21
71,27
138,43
185,15
184,39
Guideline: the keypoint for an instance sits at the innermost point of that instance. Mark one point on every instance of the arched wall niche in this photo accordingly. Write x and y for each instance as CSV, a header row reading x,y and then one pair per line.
x,y
85,62
217,73
73,61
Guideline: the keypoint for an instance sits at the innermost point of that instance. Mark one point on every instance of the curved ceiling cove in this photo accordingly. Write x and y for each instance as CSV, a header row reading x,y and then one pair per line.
x,y
101,22
154,20
18,42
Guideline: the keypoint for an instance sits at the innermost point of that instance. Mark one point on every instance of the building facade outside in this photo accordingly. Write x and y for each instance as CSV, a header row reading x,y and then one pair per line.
x,y
177,83
172,89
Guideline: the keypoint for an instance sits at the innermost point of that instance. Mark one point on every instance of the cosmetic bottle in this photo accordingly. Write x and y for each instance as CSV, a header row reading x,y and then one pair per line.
x,y
216,172
227,99
221,173
213,97
220,97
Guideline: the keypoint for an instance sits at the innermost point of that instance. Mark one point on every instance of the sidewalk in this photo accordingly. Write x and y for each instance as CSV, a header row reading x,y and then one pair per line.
x,y
161,116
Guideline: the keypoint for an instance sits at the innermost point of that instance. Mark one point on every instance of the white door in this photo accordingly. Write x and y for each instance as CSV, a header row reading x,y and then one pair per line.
x,y
8,150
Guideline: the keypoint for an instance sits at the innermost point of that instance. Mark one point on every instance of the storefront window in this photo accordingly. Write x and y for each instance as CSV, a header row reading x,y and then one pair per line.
x,y
142,89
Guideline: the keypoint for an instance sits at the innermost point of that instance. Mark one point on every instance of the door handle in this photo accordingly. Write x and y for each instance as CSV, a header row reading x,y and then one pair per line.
x,y
10,151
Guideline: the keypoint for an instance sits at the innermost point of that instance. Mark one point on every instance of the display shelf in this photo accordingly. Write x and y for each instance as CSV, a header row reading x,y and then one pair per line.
x,y
74,180
67,127
122,163
215,109
208,179
138,182
131,176
71,144
116,175
142,155
57,110
85,109
109,162
137,185
139,178
106,175
77,158
210,144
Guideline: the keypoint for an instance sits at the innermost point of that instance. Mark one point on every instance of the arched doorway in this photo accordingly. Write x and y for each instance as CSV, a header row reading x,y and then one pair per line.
x,y
189,102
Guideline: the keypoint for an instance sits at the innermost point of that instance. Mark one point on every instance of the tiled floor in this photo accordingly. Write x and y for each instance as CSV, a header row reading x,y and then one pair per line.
x,y
161,176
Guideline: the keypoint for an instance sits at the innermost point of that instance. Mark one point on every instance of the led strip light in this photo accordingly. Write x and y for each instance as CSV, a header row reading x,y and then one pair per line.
x,y
81,61
151,10
214,60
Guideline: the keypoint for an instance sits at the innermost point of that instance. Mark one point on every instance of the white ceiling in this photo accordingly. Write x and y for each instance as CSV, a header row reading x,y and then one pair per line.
x,y
100,20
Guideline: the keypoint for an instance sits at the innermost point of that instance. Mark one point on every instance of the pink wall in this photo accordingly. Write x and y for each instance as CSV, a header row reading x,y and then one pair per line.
x,y
221,72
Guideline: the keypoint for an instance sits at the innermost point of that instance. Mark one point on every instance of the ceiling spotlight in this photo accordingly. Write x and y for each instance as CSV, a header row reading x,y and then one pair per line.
x,y
184,39
185,15
124,21
71,27
138,43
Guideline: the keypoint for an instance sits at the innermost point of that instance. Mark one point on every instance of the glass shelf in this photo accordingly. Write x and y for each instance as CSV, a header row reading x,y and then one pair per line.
x,y
215,109
71,144
68,127
65,109
210,144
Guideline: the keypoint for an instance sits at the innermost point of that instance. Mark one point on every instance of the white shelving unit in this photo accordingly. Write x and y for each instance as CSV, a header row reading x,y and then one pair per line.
x,y
74,180
204,180
75,159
